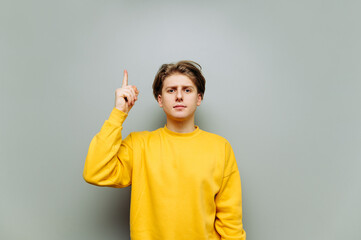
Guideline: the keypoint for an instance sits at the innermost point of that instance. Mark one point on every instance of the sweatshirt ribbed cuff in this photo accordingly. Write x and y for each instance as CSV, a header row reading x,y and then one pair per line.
x,y
117,117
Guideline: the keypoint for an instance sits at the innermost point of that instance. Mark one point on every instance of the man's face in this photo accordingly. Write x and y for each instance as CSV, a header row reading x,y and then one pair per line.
x,y
179,98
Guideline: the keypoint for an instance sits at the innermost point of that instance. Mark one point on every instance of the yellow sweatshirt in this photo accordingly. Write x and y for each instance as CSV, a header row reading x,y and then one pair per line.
x,y
185,186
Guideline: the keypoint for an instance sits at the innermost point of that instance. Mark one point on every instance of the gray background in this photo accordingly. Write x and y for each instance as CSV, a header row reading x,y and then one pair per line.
x,y
283,86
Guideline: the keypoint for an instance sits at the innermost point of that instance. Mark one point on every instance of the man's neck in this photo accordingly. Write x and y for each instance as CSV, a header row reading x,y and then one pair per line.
x,y
184,126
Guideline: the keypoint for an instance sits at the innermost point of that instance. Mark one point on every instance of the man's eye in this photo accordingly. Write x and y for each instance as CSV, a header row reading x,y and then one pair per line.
x,y
188,90
170,90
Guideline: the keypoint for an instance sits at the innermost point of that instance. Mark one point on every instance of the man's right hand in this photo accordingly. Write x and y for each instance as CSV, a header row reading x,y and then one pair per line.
x,y
126,96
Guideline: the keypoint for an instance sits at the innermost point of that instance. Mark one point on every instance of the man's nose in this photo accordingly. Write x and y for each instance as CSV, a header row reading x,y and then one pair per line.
x,y
179,96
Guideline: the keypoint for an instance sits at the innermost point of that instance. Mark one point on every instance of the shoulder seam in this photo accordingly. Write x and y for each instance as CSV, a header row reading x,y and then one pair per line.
x,y
230,173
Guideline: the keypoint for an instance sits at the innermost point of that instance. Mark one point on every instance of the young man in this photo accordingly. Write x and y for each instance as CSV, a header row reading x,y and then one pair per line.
x,y
185,181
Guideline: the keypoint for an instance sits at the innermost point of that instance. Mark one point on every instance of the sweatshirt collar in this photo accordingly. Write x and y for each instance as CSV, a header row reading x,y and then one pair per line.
x,y
175,134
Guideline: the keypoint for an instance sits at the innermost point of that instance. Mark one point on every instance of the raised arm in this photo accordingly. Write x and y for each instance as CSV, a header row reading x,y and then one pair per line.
x,y
109,161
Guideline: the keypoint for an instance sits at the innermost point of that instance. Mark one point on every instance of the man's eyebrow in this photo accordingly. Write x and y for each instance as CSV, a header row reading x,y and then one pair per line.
x,y
184,86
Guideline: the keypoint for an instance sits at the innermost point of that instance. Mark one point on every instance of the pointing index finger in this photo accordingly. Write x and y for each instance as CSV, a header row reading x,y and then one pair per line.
x,y
125,79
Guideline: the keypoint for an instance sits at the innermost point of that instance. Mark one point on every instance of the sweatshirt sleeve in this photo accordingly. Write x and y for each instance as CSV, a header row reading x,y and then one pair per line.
x,y
109,160
228,201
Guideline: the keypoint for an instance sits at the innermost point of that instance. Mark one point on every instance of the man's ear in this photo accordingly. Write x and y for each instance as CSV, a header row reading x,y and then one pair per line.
x,y
199,100
160,101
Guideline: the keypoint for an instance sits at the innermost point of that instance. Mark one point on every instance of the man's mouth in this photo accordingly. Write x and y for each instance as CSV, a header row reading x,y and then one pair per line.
x,y
179,106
